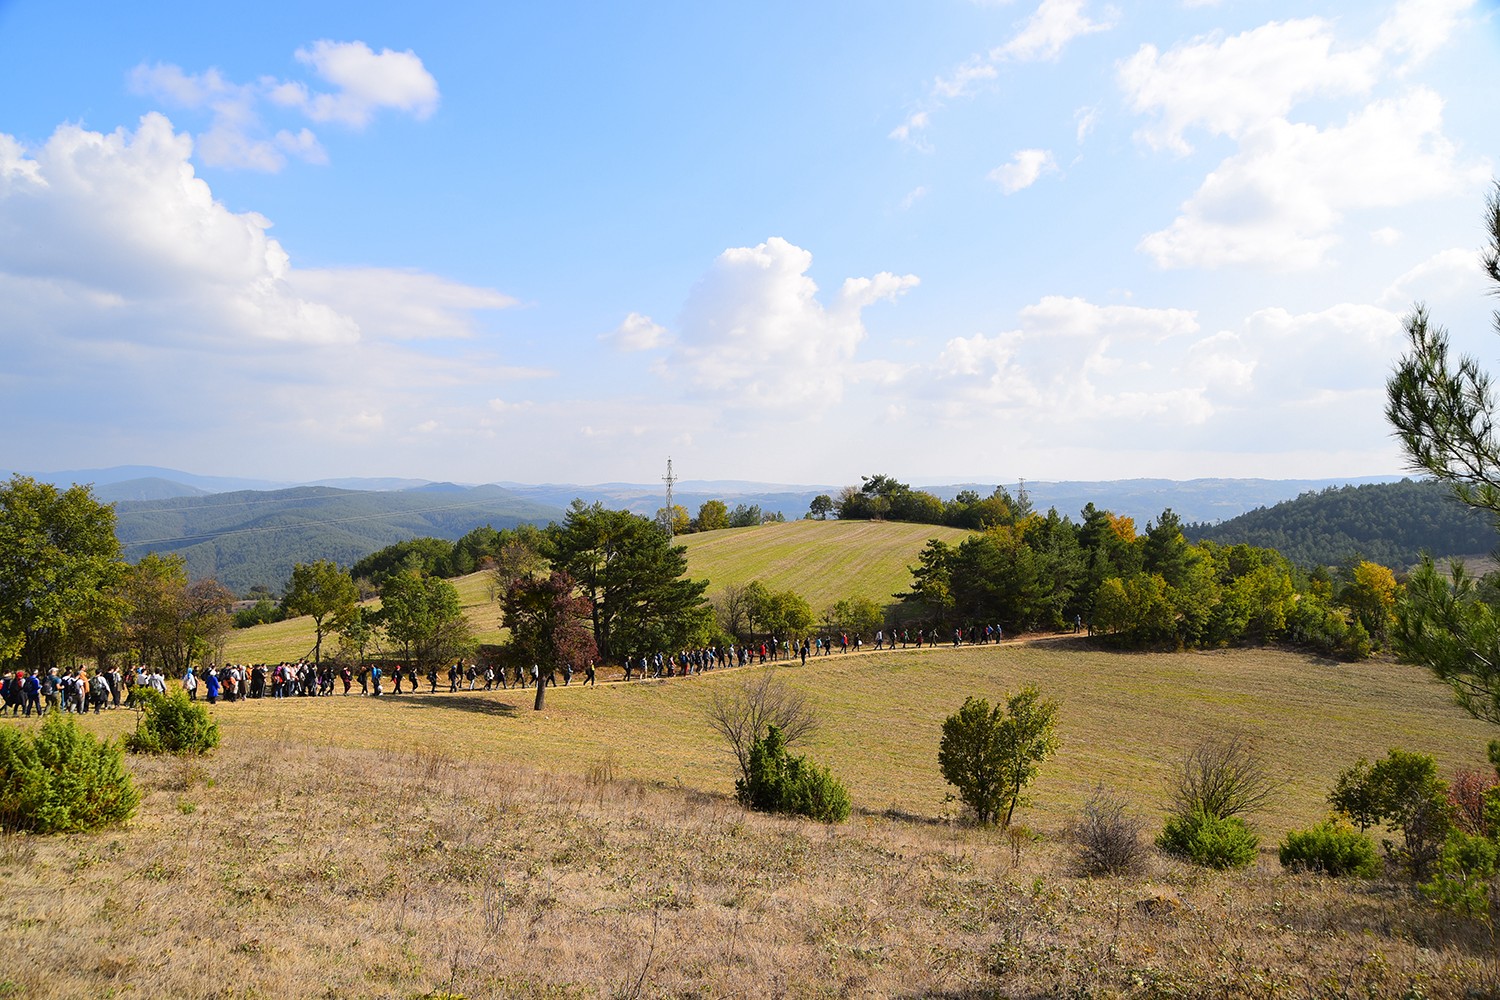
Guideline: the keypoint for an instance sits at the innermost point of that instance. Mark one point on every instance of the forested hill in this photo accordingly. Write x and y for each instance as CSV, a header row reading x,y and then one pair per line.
x,y
1387,523
256,537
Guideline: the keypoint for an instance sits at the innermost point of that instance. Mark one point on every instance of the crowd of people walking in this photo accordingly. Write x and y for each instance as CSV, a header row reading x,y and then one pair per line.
x,y
25,691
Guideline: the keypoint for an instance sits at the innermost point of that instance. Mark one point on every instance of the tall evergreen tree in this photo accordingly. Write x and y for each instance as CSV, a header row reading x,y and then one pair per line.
x,y
632,576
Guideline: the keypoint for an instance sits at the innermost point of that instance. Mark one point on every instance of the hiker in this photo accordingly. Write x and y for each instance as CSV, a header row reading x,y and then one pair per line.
x,y
588,674
190,684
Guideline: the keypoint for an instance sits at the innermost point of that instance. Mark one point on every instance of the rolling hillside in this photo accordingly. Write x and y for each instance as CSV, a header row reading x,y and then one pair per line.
x,y
823,561
1388,523
252,537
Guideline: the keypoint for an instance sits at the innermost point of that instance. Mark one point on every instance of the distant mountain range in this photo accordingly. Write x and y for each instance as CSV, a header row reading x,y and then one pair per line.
x,y
1198,500
249,531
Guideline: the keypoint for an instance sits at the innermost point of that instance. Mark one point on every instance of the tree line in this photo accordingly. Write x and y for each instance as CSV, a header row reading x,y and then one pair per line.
x,y
1152,589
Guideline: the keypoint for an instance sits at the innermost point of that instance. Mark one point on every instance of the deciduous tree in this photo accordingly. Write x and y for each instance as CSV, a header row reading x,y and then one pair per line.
x,y
422,616
59,560
325,593
713,515
549,626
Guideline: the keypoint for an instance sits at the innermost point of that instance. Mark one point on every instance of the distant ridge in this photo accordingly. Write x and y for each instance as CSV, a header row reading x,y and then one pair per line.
x,y
1205,501
1389,523
253,537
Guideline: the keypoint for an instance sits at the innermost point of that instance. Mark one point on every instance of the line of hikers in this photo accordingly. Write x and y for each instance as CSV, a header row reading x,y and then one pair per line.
x,y
24,691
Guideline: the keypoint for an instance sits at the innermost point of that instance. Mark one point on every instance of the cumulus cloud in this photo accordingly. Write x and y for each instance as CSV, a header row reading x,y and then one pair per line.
x,y
754,332
1278,200
1281,197
1122,376
1451,274
1230,86
1418,28
1068,361
367,82
150,298
637,333
1024,169
237,135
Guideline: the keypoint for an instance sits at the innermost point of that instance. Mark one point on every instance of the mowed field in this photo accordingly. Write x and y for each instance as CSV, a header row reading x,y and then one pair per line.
x,y
824,561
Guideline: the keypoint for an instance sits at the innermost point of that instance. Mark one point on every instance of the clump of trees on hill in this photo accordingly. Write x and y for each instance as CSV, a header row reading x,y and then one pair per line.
x,y
1154,589
883,498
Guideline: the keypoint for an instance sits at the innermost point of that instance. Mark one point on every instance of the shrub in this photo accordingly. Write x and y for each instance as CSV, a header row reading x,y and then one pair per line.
x,y
171,724
780,782
1223,776
1469,794
1404,793
1333,847
1211,841
1464,875
1105,840
62,780
991,754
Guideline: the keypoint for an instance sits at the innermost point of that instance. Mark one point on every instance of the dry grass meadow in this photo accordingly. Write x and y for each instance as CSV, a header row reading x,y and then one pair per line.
x,y
463,845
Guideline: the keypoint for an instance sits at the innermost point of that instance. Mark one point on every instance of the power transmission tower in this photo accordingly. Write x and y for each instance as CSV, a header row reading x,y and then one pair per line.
x,y
669,479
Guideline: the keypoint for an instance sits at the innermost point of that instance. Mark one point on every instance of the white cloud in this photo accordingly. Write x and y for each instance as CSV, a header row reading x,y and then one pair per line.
x,y
1122,377
1419,28
753,331
1278,200
1231,86
1451,274
398,305
1043,36
367,82
1282,197
1050,28
636,333
1070,362
1085,119
913,196
150,299
1023,170
910,131
963,80
237,135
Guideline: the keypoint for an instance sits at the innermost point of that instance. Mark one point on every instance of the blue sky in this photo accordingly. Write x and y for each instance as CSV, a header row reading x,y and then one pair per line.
x,y
945,240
